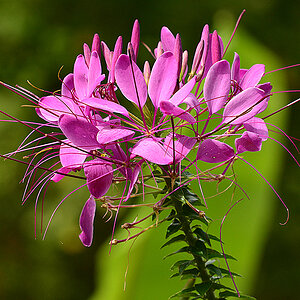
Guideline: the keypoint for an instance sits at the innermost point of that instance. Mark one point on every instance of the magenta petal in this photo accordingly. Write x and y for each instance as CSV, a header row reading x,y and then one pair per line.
x,y
249,141
107,54
117,52
244,106
216,53
134,174
99,176
163,78
54,107
105,105
81,77
258,126
217,86
170,109
130,83
80,132
94,74
167,39
214,151
108,134
86,222
183,145
235,69
252,76
181,94
71,157
62,173
135,37
192,102
68,86
152,151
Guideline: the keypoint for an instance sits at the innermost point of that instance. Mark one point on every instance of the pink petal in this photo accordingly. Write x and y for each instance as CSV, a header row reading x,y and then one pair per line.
x,y
243,106
62,172
71,157
67,86
107,55
235,69
216,54
54,107
152,151
217,86
183,145
86,222
163,78
117,52
249,141
106,105
130,83
94,74
205,39
214,151
252,76
99,176
80,132
167,39
170,109
96,45
81,77
182,93
257,126
107,134
135,37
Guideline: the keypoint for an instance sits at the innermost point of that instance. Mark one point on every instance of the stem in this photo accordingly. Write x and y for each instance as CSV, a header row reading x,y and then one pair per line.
x,y
191,241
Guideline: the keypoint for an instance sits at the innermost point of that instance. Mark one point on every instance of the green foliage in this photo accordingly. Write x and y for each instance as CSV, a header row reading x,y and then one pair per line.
x,y
203,272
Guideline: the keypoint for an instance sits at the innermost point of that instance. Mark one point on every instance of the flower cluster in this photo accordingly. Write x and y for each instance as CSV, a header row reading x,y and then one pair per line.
x,y
179,115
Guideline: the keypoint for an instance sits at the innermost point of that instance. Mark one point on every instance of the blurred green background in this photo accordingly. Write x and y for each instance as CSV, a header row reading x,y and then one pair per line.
x,y
36,39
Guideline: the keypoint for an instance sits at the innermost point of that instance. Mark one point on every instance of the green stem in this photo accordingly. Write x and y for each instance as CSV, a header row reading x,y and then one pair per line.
x,y
191,241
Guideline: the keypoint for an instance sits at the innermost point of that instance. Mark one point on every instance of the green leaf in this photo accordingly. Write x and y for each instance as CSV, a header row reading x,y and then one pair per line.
x,y
186,293
199,249
203,287
215,270
178,238
218,286
202,235
211,253
190,273
182,265
234,294
226,272
181,250
173,227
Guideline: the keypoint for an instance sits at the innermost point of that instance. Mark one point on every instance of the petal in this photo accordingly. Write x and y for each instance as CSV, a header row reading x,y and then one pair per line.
x,y
235,69
170,109
86,222
216,53
217,86
81,77
249,141
105,105
163,78
244,106
132,85
60,174
252,76
135,37
68,86
71,157
117,52
107,134
183,145
153,151
214,151
181,94
257,126
54,107
99,176
94,74
167,39
80,132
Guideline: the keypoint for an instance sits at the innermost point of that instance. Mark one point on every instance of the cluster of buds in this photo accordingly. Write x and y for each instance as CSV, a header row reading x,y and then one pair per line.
x,y
210,112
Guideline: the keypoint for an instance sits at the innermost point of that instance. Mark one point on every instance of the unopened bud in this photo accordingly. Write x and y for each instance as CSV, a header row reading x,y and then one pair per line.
x,y
198,56
135,37
216,54
185,56
178,52
130,52
87,53
159,50
96,44
147,71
